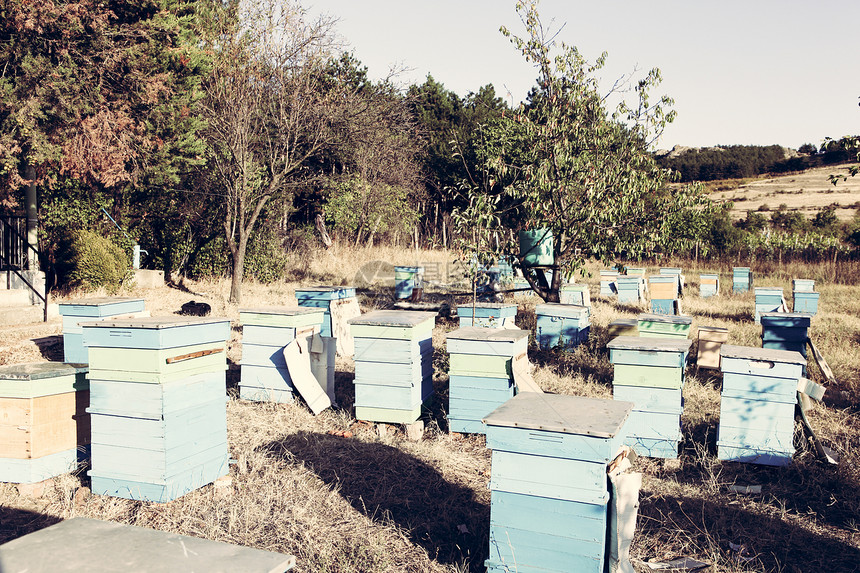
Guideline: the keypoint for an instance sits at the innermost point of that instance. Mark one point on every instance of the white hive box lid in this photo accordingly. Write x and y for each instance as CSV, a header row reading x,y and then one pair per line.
x,y
595,417
649,344
399,318
674,319
284,310
488,334
39,371
766,354
156,323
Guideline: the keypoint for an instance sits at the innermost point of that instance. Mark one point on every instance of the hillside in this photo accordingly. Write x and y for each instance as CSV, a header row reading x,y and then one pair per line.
x,y
808,192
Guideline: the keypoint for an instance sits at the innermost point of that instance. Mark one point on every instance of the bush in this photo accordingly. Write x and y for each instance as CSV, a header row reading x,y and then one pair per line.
x,y
94,261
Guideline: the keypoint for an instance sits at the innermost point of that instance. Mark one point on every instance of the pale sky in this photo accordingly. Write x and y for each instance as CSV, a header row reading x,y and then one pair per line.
x,y
752,72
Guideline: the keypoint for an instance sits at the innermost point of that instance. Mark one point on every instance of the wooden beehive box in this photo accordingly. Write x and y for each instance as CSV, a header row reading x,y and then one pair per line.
x,y
325,297
623,327
630,289
709,285
757,404
406,279
265,333
659,325
663,287
44,427
474,392
81,544
785,331
742,279
768,299
577,294
394,374
804,301
711,338
650,373
565,325
549,494
487,314
88,310
158,411
607,282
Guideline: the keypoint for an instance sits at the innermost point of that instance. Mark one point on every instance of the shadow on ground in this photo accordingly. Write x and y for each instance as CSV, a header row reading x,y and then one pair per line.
x,y
15,523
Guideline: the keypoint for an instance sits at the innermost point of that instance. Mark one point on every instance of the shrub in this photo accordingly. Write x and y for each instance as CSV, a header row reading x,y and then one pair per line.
x,y
94,261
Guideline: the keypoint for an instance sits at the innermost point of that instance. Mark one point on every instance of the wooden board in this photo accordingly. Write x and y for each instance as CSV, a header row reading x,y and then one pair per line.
x,y
103,306
648,376
160,361
297,359
72,544
480,365
37,427
156,333
479,382
34,470
41,379
155,401
546,476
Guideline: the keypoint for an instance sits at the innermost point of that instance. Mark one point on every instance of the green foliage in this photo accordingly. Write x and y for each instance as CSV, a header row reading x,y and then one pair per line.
x,y
724,162
359,210
826,221
96,262
788,221
754,221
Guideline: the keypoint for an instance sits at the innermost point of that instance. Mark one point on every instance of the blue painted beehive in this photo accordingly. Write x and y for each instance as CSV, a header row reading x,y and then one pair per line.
x,y
577,294
757,404
664,294
675,272
44,427
630,288
393,364
480,373
768,299
742,279
87,310
487,314
549,493
157,405
325,297
565,325
805,299
785,331
406,279
607,282
265,333
650,373
709,285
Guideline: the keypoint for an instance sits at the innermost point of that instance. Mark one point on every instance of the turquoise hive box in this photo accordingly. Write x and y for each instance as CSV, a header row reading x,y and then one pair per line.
x,y
631,289
742,279
406,279
650,373
565,325
575,293
324,297
487,314
549,493
157,405
805,299
757,404
265,333
768,299
709,285
393,364
87,310
480,374
607,282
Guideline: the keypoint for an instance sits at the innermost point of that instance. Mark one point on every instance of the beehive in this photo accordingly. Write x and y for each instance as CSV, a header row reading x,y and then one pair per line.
x,y
675,272
393,364
742,279
804,297
157,405
549,493
768,299
265,333
480,374
566,325
607,282
406,279
630,289
785,331
664,294
660,325
88,310
487,314
577,294
623,327
650,373
325,297
757,404
44,427
709,285
711,338
522,289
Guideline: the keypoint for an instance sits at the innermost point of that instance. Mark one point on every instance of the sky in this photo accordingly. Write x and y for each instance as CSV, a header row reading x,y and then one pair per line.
x,y
741,72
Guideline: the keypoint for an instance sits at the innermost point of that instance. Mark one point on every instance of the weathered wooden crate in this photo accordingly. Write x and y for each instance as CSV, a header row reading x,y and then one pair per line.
x,y
607,282
81,544
89,310
623,327
768,299
804,301
577,294
630,288
709,285
324,297
549,493
742,279
711,338
487,314
664,326
565,325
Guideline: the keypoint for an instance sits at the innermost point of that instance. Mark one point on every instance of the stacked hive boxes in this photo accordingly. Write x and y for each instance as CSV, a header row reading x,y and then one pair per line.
x,y
664,294
742,279
549,493
709,285
650,373
265,333
407,279
393,364
487,314
43,420
768,299
675,272
711,338
757,404
805,299
325,297
566,325
663,326
88,310
575,294
157,405
480,373
630,288
607,282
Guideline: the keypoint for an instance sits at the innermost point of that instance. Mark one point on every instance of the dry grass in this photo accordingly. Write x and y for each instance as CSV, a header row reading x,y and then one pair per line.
x,y
371,503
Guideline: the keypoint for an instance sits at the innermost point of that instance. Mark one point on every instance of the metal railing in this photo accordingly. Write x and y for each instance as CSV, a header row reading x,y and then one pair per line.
x,y
15,256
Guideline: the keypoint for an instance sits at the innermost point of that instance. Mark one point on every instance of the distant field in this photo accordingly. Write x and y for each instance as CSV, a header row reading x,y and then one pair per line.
x,y
807,192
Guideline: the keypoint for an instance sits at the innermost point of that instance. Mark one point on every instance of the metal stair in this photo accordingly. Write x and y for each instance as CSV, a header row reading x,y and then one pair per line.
x,y
24,287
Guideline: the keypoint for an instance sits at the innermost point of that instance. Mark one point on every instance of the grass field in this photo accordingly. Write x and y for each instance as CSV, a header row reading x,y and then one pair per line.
x,y
380,502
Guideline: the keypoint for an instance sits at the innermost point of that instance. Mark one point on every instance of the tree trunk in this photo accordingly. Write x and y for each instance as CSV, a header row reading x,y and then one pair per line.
x,y
238,271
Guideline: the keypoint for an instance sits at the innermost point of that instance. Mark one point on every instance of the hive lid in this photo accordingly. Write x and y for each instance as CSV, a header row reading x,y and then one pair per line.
x,y
796,319
624,322
549,307
321,288
284,310
40,370
402,318
654,344
156,322
766,290
488,334
674,319
487,305
768,354
713,329
101,300
596,417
